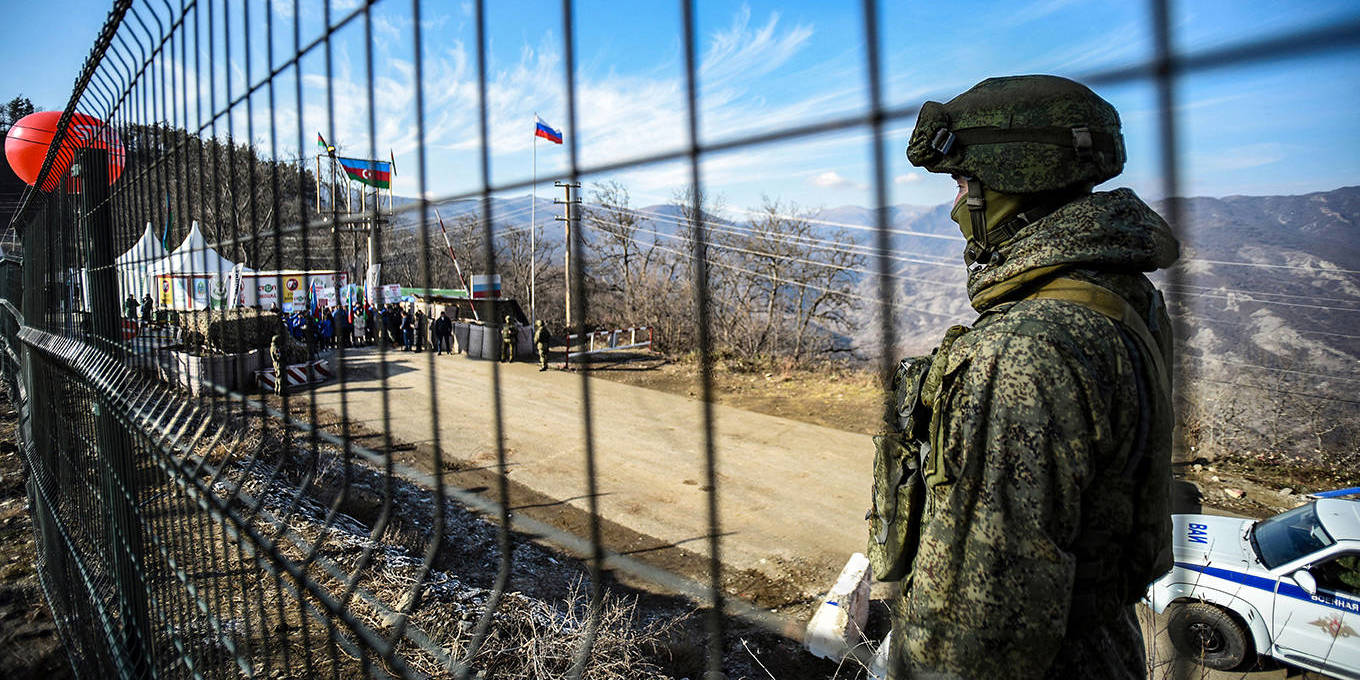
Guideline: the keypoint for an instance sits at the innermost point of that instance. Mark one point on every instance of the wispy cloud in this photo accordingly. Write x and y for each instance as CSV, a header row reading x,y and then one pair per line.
x,y
739,54
1239,157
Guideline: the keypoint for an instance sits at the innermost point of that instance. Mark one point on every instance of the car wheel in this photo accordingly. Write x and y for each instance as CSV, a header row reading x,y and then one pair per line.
x,y
1209,635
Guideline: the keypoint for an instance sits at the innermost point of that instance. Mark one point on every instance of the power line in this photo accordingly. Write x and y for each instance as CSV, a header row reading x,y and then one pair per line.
x,y
1271,302
1218,360
792,283
727,229
788,258
1228,322
857,227
1317,270
1281,390
833,245
1259,292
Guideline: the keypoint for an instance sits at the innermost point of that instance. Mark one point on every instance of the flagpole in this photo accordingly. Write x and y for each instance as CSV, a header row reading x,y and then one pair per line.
x,y
533,229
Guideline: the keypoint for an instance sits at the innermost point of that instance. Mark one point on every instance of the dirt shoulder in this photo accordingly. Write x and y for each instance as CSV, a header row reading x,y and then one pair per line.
x,y
838,398
29,645
1244,483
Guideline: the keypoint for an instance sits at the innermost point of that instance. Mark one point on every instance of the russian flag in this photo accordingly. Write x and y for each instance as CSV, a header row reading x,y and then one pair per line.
x,y
541,129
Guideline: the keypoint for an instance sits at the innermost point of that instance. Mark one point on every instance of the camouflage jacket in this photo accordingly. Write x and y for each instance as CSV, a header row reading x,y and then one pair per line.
x,y
1018,572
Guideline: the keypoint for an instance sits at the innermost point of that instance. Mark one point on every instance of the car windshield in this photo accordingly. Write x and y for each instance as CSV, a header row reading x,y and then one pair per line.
x,y
1289,536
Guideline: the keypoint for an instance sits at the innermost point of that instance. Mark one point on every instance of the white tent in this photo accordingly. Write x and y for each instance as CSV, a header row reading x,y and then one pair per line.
x,y
194,276
133,266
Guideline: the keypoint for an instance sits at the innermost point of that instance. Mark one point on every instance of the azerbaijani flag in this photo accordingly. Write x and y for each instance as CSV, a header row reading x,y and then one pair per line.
x,y
321,142
373,173
541,129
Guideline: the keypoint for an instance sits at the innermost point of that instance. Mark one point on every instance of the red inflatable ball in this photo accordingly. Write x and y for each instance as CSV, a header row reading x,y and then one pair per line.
x,y
28,140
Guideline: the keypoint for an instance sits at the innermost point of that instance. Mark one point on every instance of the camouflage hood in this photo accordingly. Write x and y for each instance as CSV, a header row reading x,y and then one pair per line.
x,y
1112,230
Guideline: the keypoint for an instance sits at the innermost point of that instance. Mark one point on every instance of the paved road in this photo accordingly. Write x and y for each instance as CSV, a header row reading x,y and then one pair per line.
x,y
786,489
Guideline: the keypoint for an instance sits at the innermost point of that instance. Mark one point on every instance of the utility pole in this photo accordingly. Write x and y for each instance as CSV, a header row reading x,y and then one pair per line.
x,y
570,216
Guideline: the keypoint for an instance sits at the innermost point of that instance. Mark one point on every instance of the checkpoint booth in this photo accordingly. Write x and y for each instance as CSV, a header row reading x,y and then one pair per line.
x,y
477,321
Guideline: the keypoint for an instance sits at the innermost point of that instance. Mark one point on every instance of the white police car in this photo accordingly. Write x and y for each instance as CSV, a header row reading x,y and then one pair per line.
x,y
1287,587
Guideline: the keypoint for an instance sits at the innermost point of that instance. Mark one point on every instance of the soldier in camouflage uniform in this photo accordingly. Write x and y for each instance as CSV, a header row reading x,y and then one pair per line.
x,y
277,354
541,340
1044,435
508,340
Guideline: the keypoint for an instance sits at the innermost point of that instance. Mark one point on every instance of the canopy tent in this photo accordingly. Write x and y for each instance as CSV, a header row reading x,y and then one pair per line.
x,y
195,276
193,256
133,265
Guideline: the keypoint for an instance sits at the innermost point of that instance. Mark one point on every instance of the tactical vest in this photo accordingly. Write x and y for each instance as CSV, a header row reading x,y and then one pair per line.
x,y
907,456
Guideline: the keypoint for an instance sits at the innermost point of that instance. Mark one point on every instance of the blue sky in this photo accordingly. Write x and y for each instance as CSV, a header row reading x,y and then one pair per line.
x,y
1278,127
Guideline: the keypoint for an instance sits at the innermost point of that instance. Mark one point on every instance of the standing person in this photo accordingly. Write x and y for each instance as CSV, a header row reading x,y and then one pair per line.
x,y
1035,447
309,333
541,340
360,326
422,330
277,350
508,340
148,309
327,330
408,330
443,333
130,307
393,325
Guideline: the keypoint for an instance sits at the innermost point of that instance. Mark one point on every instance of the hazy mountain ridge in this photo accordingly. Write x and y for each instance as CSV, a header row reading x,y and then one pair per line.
x,y
1274,316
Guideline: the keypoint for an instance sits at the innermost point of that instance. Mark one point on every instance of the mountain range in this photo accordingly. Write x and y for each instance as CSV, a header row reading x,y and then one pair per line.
x,y
1268,287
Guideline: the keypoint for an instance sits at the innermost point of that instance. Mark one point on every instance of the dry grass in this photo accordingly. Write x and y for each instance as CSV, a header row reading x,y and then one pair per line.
x,y
529,638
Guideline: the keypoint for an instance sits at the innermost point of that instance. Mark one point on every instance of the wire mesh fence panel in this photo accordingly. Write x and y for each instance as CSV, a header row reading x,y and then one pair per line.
x,y
226,335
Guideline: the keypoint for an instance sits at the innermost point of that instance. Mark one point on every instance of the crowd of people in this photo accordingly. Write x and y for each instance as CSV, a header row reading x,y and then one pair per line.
x,y
409,329
326,327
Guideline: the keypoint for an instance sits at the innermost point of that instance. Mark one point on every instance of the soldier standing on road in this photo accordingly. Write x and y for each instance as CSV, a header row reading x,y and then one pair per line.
x,y
541,344
1037,444
508,340
422,330
277,349
130,307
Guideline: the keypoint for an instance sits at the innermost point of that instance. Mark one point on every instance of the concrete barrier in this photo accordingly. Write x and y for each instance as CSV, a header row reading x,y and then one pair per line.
x,y
195,373
838,624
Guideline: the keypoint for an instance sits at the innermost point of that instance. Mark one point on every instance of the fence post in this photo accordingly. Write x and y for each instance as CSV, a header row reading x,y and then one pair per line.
x,y
118,479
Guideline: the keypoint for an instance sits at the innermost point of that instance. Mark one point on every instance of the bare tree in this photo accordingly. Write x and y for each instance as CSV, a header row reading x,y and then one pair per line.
x,y
621,251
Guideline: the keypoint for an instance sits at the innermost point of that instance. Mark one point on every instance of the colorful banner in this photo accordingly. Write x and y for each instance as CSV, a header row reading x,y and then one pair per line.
x,y
371,284
267,291
200,293
217,291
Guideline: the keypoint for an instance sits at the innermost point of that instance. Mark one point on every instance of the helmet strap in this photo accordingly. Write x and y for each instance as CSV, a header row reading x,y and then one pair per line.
x,y
978,251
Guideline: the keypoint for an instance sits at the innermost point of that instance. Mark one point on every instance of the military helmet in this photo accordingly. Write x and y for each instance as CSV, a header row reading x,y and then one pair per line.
x,y
1021,135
